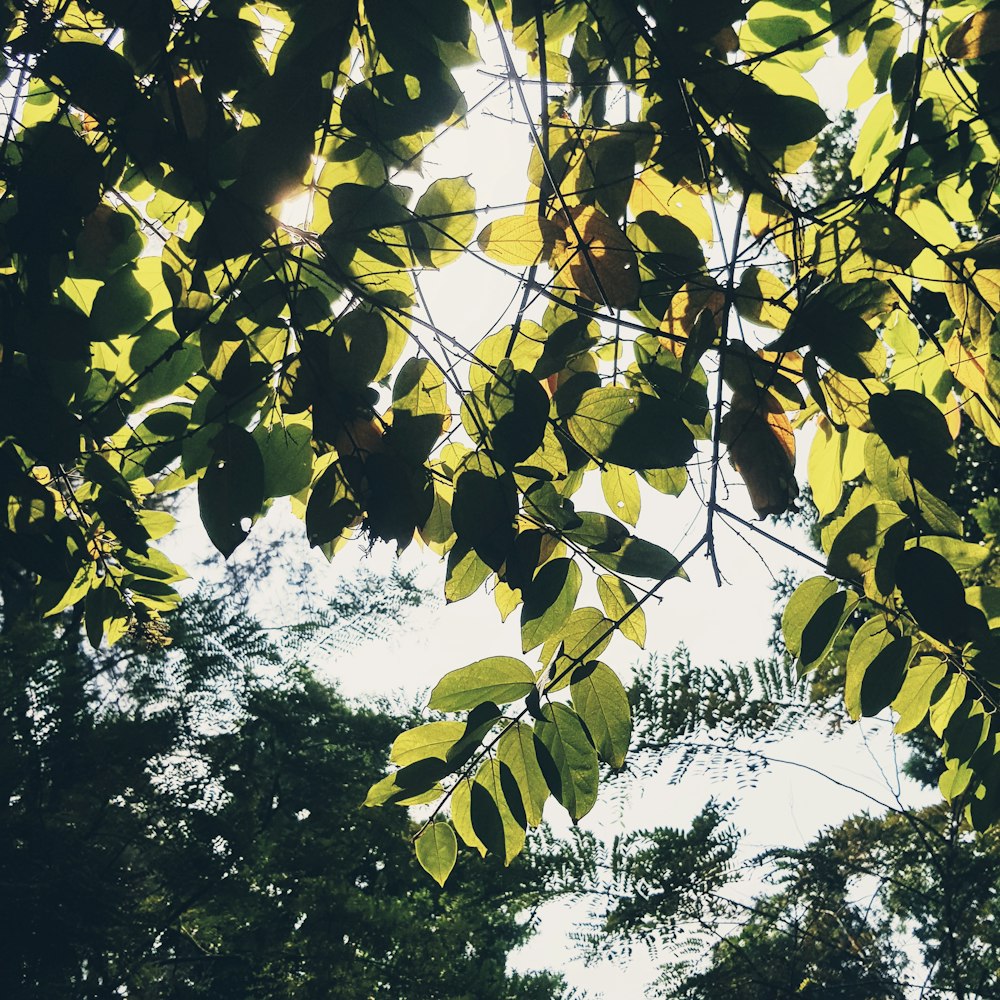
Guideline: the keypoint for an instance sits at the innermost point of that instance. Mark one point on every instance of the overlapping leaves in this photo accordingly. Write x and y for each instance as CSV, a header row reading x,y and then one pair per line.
x,y
166,325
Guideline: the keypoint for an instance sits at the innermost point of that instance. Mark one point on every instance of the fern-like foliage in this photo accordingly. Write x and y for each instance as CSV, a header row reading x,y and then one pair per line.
x,y
656,888
714,716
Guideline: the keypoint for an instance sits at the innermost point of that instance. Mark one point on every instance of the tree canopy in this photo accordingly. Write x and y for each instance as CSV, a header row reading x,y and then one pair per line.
x,y
683,295
185,822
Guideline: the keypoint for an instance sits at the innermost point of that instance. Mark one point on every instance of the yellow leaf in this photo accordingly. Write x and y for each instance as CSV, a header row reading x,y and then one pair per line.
x,y
847,399
974,296
521,240
765,215
652,192
967,367
764,298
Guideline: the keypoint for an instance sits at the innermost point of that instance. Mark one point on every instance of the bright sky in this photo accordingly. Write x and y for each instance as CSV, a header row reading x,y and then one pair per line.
x,y
789,804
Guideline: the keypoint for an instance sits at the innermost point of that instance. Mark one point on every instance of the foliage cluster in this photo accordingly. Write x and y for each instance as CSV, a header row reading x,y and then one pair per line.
x,y
163,327
185,822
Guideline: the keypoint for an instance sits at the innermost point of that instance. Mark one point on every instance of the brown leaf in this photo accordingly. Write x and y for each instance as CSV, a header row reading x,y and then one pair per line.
x,y
977,36
761,447
98,238
684,309
186,99
725,40
602,264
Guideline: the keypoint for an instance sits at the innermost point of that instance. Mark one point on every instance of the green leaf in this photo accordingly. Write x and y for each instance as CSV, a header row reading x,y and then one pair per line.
x,y
964,557
617,598
967,729
523,350
954,780
437,850
630,428
621,492
934,595
125,302
419,410
483,514
364,347
764,299
829,320
231,492
286,451
637,557
500,679
812,619
568,760
447,213
914,699
670,482
466,573
548,601
516,750
586,633
434,739
461,815
519,409
909,423
900,480
948,703
864,536
492,818
332,506
876,667
595,531
602,703
480,722
987,600
413,784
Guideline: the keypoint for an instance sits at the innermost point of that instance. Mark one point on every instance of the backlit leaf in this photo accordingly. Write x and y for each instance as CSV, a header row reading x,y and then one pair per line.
x,y
437,850
602,703
231,492
630,428
548,601
448,220
617,598
516,750
813,617
975,37
762,449
493,819
597,259
876,666
621,491
434,739
568,760
521,240
500,679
